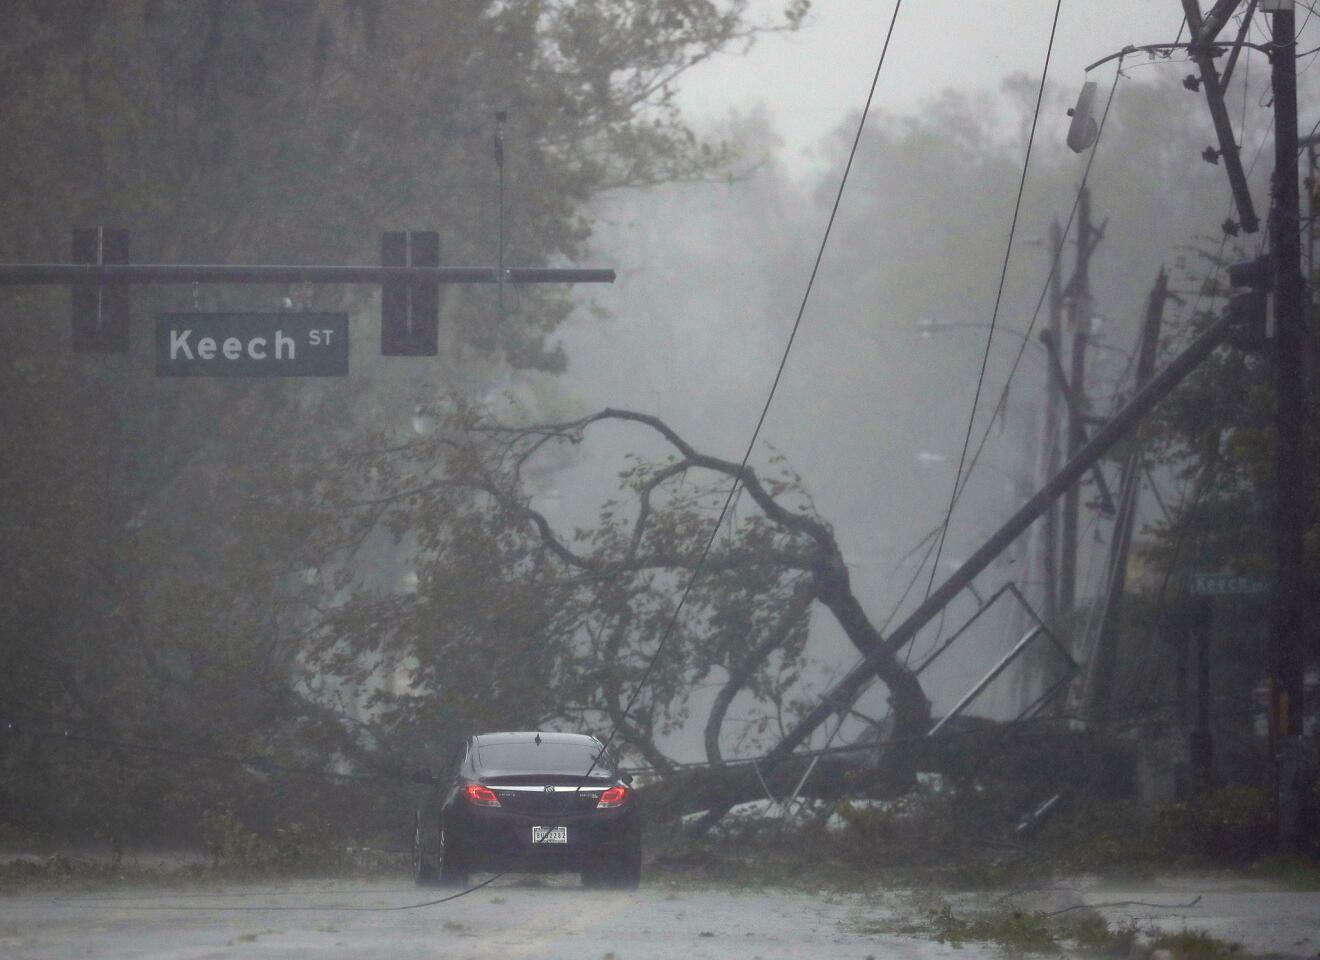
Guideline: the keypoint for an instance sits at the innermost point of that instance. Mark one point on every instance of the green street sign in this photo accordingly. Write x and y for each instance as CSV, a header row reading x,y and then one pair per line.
x,y
1226,584
252,345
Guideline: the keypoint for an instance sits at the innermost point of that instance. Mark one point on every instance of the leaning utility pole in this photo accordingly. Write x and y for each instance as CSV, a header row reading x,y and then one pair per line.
x,y
1116,428
1289,423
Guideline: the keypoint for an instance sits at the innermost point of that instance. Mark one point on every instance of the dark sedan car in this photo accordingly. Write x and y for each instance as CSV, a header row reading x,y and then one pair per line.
x,y
534,801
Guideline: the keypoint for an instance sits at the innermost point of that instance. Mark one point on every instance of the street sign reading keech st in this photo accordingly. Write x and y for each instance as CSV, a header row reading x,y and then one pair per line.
x,y
252,345
1226,584
410,277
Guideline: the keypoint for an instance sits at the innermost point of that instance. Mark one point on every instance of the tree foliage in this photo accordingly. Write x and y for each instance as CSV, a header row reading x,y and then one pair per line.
x,y
168,543
649,593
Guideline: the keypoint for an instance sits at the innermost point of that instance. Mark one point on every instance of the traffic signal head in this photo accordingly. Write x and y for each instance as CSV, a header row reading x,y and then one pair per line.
x,y
1248,312
410,310
100,311
1257,274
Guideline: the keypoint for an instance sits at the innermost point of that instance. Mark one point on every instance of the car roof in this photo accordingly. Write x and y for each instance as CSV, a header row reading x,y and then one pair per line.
x,y
529,736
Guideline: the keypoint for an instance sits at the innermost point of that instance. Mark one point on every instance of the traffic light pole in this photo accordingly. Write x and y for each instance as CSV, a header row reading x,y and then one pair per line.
x,y
410,276
1286,673
65,274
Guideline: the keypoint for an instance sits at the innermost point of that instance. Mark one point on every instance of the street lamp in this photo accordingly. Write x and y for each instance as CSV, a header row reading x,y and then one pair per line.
x,y
423,421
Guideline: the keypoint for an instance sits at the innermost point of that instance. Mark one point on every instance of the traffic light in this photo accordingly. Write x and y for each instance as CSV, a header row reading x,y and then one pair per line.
x,y
410,310
1249,311
100,311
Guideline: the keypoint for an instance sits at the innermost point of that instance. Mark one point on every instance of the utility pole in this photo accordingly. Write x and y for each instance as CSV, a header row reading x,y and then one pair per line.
x,y
1104,663
1312,207
1078,294
1050,528
1286,671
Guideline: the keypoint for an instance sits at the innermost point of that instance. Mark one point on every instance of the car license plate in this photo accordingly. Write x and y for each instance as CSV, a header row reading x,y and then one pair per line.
x,y
551,835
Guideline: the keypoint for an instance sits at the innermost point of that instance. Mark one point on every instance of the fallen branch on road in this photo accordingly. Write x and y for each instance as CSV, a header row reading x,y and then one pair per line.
x,y
1125,903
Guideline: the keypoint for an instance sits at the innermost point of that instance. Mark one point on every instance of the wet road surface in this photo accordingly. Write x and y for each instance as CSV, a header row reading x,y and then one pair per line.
x,y
510,920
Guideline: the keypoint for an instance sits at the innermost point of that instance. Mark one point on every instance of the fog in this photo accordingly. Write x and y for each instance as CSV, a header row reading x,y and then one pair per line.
x,y
228,548
871,411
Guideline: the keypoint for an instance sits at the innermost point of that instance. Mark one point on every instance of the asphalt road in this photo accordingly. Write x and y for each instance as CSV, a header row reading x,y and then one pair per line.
x,y
511,920
555,919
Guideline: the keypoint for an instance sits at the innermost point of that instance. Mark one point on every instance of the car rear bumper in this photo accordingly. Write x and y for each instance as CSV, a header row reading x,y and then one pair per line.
x,y
494,839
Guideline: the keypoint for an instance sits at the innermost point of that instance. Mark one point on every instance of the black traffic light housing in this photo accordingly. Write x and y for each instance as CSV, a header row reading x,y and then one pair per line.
x,y
1248,311
100,311
410,310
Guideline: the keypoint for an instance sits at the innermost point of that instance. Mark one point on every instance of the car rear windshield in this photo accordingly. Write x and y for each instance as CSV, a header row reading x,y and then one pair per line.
x,y
547,757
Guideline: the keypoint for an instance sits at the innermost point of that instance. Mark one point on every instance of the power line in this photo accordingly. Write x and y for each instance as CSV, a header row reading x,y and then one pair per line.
x,y
1022,347
999,294
1036,312
1054,266
774,385
1006,727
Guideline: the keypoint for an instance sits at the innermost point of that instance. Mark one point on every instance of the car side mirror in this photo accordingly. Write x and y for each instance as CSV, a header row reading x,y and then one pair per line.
x,y
626,778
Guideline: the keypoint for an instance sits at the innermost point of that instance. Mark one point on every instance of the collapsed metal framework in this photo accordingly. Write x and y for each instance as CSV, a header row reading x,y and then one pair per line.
x,y
1041,629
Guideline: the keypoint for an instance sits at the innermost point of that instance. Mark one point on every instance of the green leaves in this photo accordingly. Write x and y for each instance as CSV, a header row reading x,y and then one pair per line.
x,y
253,563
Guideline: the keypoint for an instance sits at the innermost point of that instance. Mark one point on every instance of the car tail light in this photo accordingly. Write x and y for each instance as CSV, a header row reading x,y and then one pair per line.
x,y
612,797
481,796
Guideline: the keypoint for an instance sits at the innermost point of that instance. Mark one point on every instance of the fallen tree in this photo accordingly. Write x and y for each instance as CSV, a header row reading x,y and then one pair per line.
x,y
592,607
787,540
1003,769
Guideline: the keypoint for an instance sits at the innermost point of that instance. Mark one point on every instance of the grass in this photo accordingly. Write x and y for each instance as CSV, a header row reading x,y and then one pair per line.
x,y
1292,873
1014,930
1017,932
1082,932
1196,945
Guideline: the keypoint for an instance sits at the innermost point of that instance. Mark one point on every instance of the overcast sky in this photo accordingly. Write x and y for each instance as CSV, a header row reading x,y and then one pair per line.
x,y
811,80
695,337
873,416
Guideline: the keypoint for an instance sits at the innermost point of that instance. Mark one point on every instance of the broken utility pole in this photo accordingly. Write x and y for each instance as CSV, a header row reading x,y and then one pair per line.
x,y
1203,33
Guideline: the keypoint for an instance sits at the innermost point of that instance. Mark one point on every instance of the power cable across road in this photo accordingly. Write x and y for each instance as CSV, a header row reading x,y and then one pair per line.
x,y
1035,316
999,296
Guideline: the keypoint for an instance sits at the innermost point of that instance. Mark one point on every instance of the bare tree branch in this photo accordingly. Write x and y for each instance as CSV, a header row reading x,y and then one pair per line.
x,y
739,675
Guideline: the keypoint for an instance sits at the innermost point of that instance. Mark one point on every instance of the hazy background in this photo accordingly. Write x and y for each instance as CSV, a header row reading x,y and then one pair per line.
x,y
869,411
174,122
